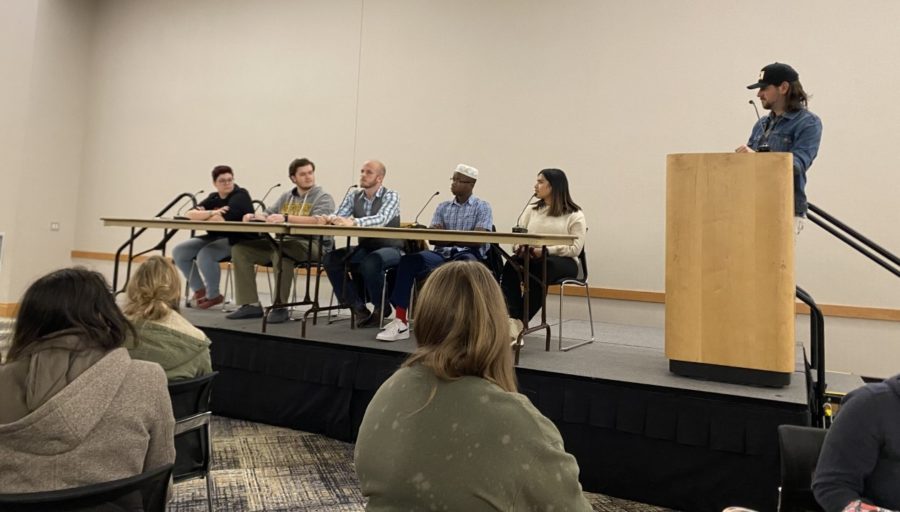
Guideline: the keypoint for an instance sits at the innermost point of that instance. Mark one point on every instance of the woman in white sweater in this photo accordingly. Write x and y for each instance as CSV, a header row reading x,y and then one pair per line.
x,y
554,212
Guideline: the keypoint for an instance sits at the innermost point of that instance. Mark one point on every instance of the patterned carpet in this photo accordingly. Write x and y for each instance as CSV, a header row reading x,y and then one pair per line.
x,y
259,467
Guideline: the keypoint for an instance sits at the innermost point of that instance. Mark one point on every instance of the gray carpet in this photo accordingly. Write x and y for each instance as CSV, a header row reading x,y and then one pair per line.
x,y
259,467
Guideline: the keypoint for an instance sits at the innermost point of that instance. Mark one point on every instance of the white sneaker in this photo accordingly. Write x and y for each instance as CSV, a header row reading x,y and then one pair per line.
x,y
394,331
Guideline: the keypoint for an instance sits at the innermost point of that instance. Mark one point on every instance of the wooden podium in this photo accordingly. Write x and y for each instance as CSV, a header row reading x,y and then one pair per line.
x,y
730,267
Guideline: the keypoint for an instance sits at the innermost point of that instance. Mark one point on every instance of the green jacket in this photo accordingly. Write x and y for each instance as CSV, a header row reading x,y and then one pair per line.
x,y
472,447
180,355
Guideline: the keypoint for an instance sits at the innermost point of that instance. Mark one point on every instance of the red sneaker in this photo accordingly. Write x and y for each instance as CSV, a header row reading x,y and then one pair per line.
x,y
200,295
208,303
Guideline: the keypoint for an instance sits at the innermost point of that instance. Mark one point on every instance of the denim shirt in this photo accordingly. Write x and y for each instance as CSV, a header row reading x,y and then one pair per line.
x,y
799,133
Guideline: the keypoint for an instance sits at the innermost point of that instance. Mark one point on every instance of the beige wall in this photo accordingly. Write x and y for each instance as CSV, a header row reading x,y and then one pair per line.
x,y
601,89
48,50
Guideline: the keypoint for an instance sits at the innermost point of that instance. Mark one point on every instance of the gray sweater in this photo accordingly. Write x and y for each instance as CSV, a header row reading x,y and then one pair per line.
x,y
314,202
113,420
428,444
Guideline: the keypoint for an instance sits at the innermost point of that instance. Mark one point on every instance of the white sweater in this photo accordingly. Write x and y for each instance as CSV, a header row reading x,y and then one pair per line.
x,y
537,221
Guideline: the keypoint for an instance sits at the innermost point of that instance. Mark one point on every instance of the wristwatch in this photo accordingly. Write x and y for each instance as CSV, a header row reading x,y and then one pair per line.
x,y
285,218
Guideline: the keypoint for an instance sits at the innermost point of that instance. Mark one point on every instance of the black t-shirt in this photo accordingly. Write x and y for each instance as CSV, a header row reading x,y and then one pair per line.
x,y
238,203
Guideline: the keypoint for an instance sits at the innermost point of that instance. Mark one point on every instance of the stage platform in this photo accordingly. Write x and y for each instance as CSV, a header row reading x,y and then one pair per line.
x,y
638,431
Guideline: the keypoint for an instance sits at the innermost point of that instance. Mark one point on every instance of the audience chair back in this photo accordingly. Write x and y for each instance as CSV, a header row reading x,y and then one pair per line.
x,y
800,447
190,396
582,281
147,492
193,440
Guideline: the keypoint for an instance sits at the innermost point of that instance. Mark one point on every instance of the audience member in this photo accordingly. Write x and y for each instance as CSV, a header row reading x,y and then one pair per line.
x,y
554,212
163,335
75,408
448,431
372,205
228,203
464,212
860,459
303,204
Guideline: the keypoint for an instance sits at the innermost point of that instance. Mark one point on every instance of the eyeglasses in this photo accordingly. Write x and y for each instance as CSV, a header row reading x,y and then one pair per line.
x,y
464,182
225,181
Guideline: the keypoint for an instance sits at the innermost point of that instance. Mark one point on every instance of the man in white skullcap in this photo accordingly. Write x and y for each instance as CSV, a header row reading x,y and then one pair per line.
x,y
464,212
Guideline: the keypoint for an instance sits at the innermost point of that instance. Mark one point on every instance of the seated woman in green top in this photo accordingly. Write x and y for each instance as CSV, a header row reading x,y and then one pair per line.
x,y
163,335
448,431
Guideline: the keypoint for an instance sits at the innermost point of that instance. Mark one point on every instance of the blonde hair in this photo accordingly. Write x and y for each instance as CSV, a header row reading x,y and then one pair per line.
x,y
154,290
462,327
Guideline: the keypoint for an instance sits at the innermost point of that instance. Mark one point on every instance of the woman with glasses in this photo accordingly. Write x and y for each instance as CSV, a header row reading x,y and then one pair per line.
x,y
228,203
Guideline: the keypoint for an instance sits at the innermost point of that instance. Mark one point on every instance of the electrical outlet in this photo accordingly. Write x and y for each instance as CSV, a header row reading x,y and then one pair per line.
x,y
54,226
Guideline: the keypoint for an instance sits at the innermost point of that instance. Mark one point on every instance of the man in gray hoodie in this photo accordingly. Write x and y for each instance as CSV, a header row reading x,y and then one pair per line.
x,y
860,459
300,205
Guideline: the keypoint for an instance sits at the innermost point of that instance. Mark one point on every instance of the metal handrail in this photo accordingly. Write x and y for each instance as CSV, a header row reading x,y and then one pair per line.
x,y
160,246
817,352
854,239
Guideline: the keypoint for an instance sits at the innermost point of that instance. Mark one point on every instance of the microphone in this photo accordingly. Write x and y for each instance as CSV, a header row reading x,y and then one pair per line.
x,y
756,109
764,147
263,200
415,223
178,215
518,228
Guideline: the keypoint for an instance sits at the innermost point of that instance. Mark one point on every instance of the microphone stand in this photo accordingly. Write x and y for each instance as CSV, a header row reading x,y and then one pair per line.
x,y
764,147
415,223
521,229
262,202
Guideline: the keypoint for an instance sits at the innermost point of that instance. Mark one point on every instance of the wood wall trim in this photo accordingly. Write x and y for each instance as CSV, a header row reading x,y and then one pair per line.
x,y
103,256
8,309
833,310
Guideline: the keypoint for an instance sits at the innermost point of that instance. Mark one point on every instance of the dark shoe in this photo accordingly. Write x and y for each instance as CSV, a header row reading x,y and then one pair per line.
x,y
279,316
208,303
370,321
388,310
246,311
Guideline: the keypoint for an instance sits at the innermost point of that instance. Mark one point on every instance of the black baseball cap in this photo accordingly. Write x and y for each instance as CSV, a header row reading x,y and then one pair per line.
x,y
774,74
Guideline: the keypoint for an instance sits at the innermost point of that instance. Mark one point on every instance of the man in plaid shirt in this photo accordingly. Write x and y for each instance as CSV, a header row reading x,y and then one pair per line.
x,y
464,213
371,204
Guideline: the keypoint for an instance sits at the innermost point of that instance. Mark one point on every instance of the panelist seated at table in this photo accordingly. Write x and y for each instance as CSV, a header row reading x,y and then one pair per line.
x,y
371,205
306,203
228,203
464,212
554,212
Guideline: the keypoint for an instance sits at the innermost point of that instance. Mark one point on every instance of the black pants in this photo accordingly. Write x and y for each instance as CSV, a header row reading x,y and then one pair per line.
x,y
511,283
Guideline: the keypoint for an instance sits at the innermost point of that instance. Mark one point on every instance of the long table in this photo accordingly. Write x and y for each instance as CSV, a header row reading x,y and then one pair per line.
x,y
278,231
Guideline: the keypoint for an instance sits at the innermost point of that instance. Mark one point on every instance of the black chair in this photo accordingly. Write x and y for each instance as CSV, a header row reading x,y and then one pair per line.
x,y
193,441
582,281
800,447
147,492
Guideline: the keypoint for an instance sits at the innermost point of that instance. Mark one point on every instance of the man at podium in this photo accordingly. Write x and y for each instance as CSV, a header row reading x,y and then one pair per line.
x,y
789,127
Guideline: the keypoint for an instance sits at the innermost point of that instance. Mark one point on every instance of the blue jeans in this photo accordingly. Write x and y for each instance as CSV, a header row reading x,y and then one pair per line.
x,y
416,266
367,264
208,252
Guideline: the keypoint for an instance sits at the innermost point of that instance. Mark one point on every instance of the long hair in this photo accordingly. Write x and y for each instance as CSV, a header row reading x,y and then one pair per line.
x,y
154,290
561,203
71,298
796,98
462,327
